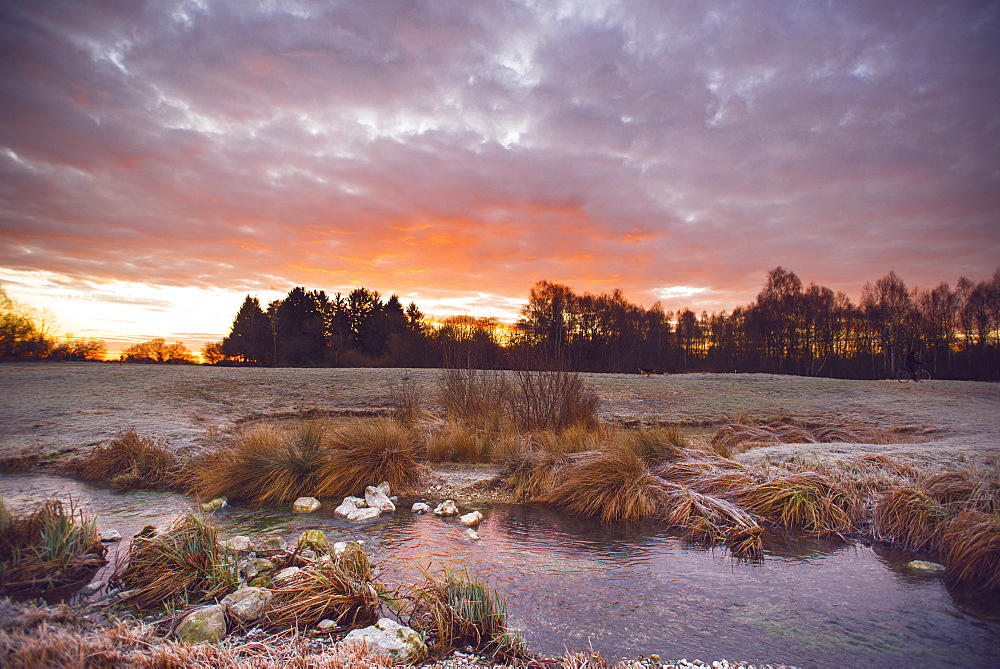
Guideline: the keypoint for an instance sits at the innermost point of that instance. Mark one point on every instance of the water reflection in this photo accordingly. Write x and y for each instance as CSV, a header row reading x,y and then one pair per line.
x,y
628,589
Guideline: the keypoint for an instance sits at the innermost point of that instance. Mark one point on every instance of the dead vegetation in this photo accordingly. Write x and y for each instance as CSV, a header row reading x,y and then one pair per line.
x,y
52,548
183,565
736,437
458,611
129,462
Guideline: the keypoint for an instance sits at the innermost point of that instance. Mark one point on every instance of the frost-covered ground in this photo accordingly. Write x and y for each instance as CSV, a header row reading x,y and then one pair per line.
x,y
52,408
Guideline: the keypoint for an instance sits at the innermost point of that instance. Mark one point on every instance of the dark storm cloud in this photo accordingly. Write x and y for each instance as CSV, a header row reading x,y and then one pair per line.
x,y
429,147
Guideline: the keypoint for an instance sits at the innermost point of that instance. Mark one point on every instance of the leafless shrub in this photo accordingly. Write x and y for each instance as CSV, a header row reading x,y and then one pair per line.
x,y
405,398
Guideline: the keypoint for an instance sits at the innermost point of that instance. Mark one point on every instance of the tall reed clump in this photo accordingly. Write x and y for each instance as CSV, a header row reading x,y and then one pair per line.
x,y
183,565
52,547
806,501
266,465
458,611
613,484
406,401
369,452
971,549
130,462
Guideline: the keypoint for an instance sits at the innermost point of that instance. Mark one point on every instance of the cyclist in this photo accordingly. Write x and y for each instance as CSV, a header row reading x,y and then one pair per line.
x,y
912,364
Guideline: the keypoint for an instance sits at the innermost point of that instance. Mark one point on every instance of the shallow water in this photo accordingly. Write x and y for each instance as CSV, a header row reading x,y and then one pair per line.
x,y
634,589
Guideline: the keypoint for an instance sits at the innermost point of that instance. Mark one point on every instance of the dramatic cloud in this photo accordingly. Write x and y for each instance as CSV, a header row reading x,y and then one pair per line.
x,y
456,152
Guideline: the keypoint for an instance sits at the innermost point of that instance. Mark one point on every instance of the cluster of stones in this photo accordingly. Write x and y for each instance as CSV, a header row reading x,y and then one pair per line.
x,y
259,575
377,501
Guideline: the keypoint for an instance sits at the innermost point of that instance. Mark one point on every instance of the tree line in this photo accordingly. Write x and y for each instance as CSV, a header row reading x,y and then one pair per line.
x,y
27,333
788,329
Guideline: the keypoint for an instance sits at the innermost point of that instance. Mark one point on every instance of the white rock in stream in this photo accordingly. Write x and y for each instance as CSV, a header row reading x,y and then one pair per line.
x,y
347,507
471,519
420,507
472,534
364,514
446,508
377,499
305,505
111,535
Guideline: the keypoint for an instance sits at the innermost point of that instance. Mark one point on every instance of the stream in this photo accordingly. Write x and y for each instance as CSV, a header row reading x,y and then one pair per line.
x,y
627,590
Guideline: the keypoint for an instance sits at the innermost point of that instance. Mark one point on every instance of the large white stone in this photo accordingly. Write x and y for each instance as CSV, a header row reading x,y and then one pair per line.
x,y
247,604
207,624
446,508
471,519
305,505
286,575
402,644
347,507
377,499
111,535
420,507
364,514
472,534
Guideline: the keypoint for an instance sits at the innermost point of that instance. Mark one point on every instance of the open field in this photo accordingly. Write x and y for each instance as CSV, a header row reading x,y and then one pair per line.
x,y
58,408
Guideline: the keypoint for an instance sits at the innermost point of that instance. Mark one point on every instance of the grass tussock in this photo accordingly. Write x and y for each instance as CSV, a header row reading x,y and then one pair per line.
x,y
910,517
183,565
971,549
267,465
457,611
273,464
612,485
130,462
458,442
341,590
664,444
807,501
52,548
369,452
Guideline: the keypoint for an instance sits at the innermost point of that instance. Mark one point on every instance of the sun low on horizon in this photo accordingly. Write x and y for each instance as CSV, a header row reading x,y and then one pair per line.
x,y
159,161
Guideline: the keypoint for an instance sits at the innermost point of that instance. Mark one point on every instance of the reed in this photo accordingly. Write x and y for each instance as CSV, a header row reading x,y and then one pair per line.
x,y
369,452
805,500
458,611
266,465
658,444
47,550
911,517
614,484
341,591
183,565
129,462
971,549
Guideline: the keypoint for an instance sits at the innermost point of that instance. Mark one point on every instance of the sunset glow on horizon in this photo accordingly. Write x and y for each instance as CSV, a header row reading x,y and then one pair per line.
x,y
160,160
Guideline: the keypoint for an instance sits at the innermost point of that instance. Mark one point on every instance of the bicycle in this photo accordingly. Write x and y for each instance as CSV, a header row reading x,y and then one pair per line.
x,y
919,376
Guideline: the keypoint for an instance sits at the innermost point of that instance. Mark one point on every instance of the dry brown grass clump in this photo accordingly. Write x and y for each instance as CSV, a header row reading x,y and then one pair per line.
x,y
52,549
457,611
708,519
183,565
369,452
130,462
267,465
614,484
535,473
458,442
663,444
971,549
806,501
341,590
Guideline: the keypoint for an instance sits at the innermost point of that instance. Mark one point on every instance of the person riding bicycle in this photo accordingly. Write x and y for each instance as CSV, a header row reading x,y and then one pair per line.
x,y
912,364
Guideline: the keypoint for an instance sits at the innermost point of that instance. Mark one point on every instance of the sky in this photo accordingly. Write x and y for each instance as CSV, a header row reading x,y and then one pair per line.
x,y
160,160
